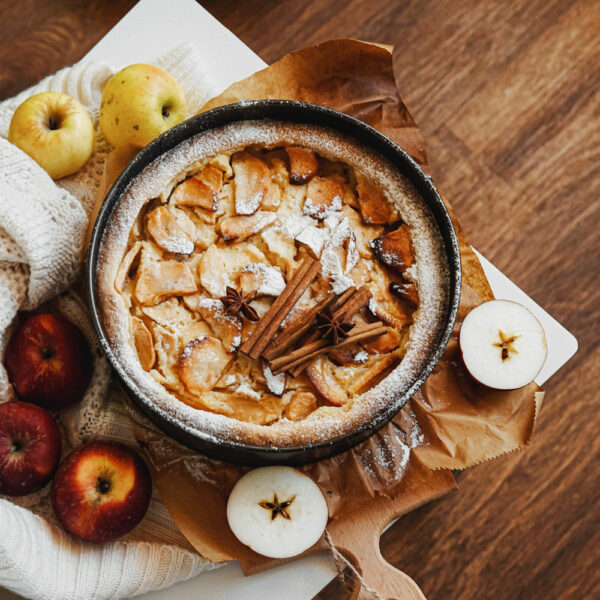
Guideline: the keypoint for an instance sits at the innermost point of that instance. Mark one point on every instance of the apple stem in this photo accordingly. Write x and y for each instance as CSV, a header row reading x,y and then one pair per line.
x,y
53,123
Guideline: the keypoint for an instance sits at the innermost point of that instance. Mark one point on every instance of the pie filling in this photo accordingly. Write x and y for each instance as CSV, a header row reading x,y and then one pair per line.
x,y
269,283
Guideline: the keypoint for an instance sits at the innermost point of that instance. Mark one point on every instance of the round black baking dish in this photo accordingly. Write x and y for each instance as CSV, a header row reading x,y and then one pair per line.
x,y
297,112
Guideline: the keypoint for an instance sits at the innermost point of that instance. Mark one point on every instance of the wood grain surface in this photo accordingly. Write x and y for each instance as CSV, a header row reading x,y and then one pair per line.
x,y
507,94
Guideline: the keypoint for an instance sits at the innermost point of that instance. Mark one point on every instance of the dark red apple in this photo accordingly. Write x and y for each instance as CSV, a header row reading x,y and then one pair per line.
x,y
30,446
101,491
48,361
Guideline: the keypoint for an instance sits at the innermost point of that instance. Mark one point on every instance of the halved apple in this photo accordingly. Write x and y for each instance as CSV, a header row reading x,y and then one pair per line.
x,y
503,345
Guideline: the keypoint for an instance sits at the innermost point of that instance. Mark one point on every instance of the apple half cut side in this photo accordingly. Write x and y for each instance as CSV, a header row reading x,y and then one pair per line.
x,y
503,345
277,511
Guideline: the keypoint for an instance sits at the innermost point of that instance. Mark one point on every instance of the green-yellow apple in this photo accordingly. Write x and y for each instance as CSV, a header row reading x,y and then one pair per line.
x,y
55,130
138,104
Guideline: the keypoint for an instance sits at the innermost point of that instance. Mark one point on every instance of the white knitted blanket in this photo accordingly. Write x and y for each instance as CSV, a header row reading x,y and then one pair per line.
x,y
42,230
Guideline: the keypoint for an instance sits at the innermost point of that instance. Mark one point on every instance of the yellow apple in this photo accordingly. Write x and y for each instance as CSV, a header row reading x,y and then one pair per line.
x,y
138,104
55,130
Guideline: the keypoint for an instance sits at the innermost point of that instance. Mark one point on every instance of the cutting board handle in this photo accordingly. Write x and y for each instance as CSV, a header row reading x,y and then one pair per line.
x,y
379,579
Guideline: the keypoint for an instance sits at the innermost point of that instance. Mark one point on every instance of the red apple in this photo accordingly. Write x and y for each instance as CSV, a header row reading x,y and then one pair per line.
x,y
30,447
101,491
48,361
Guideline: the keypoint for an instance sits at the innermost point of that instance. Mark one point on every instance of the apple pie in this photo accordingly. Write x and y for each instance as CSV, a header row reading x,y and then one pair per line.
x,y
271,282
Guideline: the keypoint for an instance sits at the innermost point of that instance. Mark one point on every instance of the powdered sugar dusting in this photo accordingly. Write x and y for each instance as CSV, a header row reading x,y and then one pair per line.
x,y
430,271
275,383
321,211
270,279
361,357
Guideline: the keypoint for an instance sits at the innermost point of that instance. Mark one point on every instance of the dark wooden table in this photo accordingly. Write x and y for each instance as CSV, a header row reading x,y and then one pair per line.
x,y
508,96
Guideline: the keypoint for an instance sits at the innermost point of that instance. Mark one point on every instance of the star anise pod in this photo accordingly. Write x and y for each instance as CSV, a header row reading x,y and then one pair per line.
x,y
236,302
333,327
278,508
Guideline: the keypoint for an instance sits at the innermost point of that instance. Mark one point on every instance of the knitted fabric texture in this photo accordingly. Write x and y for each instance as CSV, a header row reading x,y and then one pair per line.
x,y
42,230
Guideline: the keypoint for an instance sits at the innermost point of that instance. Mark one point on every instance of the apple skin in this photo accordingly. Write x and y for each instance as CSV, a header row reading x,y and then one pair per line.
x,y
48,361
101,491
30,446
55,130
138,104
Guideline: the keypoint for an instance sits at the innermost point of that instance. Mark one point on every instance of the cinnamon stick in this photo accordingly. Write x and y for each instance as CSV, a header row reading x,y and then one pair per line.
x,y
343,298
347,310
348,304
267,326
299,358
289,336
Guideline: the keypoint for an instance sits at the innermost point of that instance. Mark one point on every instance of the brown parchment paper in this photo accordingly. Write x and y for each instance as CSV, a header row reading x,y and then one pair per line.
x,y
451,423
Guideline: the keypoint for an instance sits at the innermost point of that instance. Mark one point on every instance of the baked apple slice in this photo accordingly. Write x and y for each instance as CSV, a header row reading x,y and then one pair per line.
x,y
405,291
252,182
352,354
144,345
374,207
201,364
272,198
228,328
169,314
374,374
167,233
239,406
389,310
219,267
323,197
384,343
159,280
324,384
127,266
195,193
212,178
303,165
300,406
394,249
237,229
